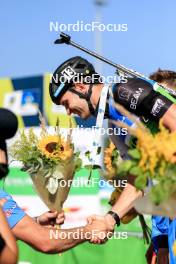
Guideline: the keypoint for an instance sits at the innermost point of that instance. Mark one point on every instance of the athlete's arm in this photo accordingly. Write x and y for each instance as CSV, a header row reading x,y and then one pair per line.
x,y
139,97
126,200
51,240
122,206
9,253
42,239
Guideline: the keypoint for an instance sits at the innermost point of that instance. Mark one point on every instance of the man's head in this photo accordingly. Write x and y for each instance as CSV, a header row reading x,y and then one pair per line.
x,y
165,77
77,86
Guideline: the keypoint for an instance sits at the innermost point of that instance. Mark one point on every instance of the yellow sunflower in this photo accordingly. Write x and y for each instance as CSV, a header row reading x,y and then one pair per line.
x,y
53,146
108,158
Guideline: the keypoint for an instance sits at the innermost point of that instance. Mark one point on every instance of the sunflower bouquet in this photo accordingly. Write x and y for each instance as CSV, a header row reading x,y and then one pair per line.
x,y
50,160
152,161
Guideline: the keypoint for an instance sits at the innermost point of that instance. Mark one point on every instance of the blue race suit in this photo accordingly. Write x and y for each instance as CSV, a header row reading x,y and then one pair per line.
x,y
11,210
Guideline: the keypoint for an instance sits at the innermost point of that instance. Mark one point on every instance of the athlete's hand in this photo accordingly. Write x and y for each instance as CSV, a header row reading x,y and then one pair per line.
x,y
51,218
103,227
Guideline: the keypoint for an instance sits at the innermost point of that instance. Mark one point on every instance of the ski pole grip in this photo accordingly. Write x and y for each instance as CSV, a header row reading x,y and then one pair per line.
x,y
65,38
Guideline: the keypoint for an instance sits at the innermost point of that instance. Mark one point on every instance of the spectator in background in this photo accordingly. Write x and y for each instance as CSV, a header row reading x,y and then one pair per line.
x,y
165,77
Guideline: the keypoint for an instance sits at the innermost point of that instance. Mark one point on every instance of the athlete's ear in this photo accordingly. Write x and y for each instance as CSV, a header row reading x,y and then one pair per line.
x,y
80,87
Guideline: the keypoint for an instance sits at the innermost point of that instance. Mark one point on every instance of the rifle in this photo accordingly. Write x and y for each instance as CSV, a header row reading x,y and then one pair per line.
x,y
66,39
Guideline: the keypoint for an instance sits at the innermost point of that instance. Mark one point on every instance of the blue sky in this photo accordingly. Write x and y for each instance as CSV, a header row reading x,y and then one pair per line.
x,y
26,44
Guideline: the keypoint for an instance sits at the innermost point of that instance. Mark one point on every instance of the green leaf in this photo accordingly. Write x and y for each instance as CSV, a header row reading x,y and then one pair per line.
x,y
77,154
98,150
124,167
88,167
78,164
157,194
95,167
115,153
141,182
90,175
136,170
87,153
134,153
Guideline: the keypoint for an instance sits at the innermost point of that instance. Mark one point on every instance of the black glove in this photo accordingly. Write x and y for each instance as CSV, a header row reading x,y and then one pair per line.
x,y
138,97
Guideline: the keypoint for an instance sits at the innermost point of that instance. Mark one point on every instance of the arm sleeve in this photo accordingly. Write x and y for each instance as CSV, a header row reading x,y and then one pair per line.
x,y
139,97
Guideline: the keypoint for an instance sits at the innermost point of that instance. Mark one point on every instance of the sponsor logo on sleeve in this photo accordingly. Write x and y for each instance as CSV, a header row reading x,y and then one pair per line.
x,y
9,212
157,107
135,98
124,93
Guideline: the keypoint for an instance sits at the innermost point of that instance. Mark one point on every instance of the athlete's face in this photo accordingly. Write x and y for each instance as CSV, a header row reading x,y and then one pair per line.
x,y
74,104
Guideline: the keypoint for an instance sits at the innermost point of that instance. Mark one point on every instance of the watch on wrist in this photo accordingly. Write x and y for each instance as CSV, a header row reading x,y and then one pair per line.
x,y
115,216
